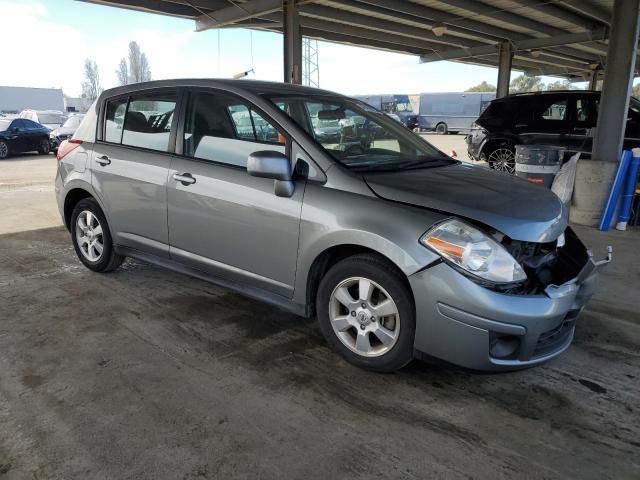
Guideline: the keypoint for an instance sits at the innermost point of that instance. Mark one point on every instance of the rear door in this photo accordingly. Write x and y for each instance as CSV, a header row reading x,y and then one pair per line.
x,y
130,165
36,133
222,220
551,120
583,122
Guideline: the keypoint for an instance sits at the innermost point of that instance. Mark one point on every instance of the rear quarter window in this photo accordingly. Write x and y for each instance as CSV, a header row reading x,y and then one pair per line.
x,y
114,118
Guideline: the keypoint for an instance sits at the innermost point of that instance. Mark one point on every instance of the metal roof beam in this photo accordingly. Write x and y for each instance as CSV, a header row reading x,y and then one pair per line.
x,y
432,14
236,13
587,8
365,33
569,16
530,69
357,41
355,19
399,16
504,16
150,6
529,44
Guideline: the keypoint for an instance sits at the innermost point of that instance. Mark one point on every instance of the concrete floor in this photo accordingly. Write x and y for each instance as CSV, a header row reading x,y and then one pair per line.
x,y
144,373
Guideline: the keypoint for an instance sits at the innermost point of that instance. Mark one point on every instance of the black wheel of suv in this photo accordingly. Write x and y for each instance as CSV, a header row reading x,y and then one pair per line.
x,y
442,129
44,147
502,158
92,238
366,313
4,149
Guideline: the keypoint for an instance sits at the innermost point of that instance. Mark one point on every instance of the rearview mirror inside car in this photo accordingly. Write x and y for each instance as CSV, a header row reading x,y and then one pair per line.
x,y
336,114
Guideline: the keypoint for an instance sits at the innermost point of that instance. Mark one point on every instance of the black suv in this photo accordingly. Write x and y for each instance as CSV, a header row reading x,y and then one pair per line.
x,y
560,118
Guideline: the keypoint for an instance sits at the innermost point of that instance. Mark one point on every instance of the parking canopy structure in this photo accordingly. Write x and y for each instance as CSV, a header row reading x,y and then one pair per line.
x,y
575,39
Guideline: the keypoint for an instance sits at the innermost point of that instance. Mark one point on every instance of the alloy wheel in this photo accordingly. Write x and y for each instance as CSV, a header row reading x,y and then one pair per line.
x,y
364,317
89,236
503,159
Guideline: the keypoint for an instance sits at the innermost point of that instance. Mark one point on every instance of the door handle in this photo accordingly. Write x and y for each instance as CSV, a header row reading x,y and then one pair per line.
x,y
103,160
185,178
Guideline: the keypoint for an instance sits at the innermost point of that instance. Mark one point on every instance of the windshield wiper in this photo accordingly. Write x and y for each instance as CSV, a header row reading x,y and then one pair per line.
x,y
406,165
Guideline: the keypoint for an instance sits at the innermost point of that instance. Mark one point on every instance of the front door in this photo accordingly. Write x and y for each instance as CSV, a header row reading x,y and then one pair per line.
x,y
130,167
222,220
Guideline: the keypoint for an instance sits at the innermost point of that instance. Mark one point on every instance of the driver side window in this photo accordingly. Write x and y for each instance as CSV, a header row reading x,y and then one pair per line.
x,y
223,129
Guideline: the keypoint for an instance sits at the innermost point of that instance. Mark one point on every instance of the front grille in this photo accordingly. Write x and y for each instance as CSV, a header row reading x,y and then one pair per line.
x,y
554,339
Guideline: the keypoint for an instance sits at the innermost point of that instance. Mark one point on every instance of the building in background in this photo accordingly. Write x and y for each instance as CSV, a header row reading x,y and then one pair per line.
x,y
16,99
76,104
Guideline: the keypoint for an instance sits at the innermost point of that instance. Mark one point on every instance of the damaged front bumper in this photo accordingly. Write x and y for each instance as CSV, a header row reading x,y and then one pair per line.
x,y
462,322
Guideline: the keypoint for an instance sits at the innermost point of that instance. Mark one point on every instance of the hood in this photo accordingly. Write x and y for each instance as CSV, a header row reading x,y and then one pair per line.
x,y
519,209
63,131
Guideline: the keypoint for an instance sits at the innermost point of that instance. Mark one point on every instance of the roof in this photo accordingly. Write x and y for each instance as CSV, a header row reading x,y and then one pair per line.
x,y
552,37
253,86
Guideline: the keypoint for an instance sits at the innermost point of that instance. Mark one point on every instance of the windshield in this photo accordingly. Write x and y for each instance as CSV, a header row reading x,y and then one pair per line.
x,y
4,124
404,107
50,118
360,137
73,122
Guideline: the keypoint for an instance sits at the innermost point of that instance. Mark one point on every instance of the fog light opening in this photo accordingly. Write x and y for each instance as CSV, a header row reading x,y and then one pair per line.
x,y
503,346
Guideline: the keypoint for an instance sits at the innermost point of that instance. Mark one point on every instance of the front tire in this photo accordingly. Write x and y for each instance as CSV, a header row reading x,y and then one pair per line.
x,y
92,238
503,159
4,149
44,147
366,313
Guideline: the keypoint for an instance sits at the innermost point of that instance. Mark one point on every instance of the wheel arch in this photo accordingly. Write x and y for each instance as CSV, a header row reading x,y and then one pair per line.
x,y
488,143
71,200
329,257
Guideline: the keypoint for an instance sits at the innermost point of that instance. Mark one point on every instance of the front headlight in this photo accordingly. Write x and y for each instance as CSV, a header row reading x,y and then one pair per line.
x,y
52,135
473,251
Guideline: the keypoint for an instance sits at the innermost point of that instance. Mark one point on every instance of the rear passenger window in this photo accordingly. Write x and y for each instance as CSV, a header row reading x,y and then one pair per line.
x,y
220,128
147,123
556,111
114,119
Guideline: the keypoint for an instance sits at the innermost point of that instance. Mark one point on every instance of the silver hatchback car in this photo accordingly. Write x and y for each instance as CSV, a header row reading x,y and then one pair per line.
x,y
322,205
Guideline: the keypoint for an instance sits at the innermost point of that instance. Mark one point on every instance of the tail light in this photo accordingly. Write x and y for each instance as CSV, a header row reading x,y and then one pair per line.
x,y
66,147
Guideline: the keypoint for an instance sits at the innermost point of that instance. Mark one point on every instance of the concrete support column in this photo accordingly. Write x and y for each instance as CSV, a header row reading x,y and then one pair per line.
x,y
594,178
504,69
292,43
593,79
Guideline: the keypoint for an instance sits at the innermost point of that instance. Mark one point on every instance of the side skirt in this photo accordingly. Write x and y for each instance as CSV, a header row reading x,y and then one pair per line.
x,y
252,292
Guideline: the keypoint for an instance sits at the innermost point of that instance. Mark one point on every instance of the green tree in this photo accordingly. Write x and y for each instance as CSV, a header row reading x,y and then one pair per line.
x,y
526,83
560,85
482,87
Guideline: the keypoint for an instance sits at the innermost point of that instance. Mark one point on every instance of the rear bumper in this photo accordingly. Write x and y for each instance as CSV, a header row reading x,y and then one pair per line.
x,y
466,324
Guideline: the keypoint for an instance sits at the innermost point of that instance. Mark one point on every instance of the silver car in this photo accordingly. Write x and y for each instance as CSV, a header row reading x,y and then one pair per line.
x,y
399,250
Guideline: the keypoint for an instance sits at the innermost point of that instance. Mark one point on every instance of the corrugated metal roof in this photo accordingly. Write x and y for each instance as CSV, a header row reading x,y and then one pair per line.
x,y
564,27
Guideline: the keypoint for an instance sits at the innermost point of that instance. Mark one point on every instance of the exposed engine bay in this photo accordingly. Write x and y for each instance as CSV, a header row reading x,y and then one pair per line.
x,y
545,264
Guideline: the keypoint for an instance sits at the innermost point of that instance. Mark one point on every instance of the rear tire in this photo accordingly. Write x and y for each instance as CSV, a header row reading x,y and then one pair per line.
x,y
442,128
92,238
366,313
45,147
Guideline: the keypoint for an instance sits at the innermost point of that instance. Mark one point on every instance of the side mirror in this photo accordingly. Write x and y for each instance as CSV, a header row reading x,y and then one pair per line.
x,y
15,129
275,165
